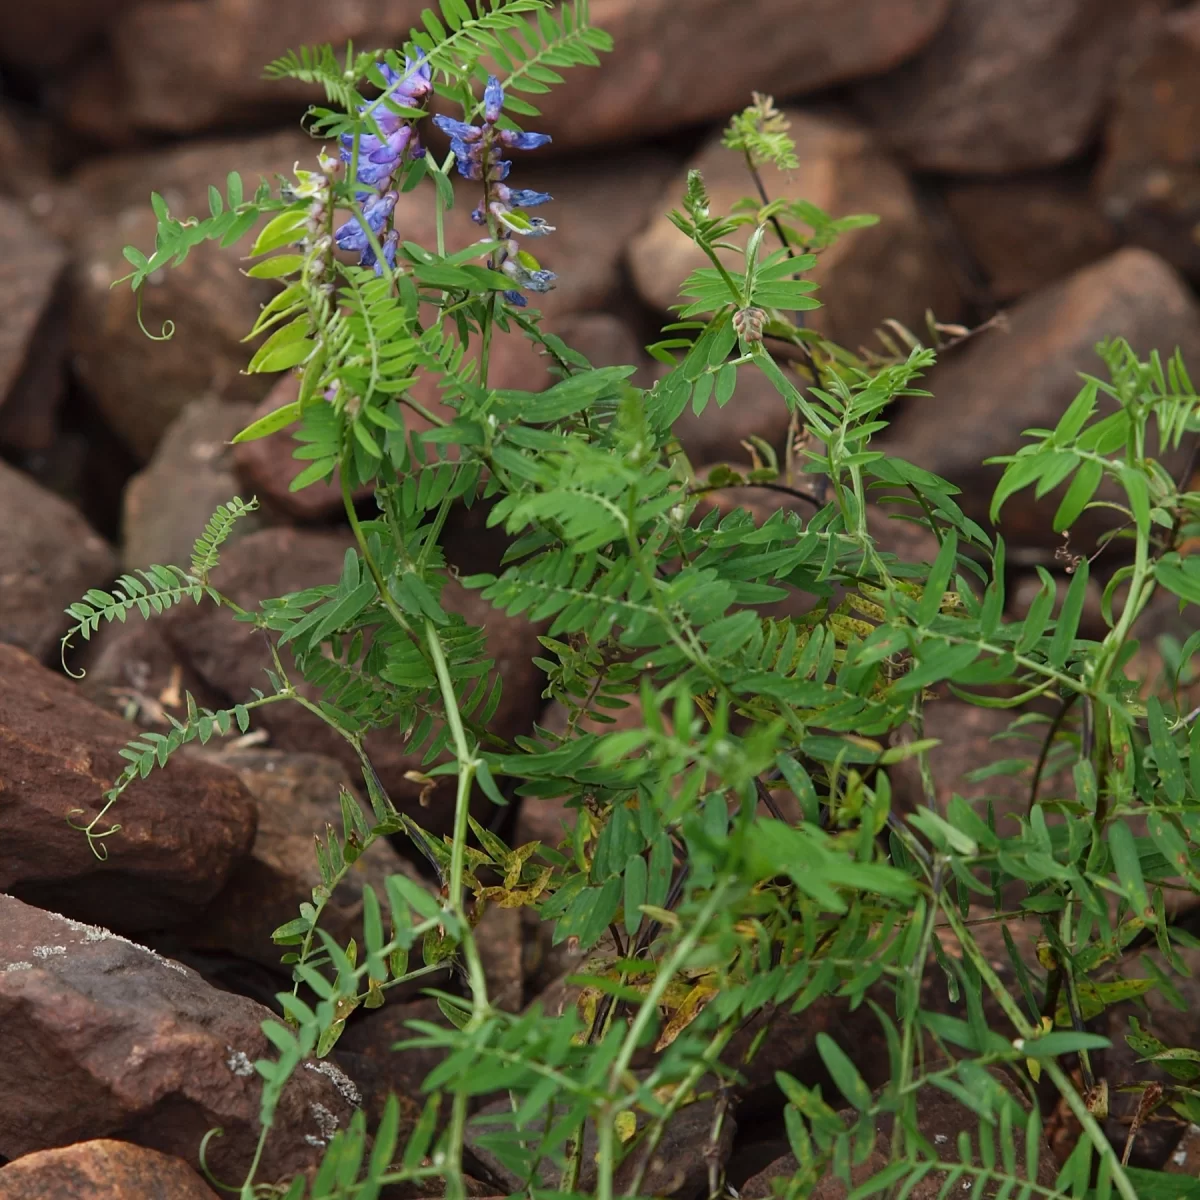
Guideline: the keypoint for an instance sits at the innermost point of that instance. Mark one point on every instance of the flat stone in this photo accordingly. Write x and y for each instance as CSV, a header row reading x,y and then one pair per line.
x,y
182,829
102,1036
1004,87
49,556
101,1169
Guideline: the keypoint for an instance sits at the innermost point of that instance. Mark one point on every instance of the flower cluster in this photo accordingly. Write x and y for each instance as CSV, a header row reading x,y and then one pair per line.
x,y
379,159
477,152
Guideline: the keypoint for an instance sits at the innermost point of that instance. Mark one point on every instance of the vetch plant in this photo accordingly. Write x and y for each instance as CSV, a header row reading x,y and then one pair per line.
x,y
703,909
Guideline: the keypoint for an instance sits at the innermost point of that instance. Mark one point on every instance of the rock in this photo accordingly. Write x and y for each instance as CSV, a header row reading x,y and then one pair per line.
x,y
659,76
1185,1158
181,830
102,1036
1004,87
940,1119
1149,178
210,60
169,502
297,797
372,1035
973,738
891,270
141,385
756,409
499,938
44,37
49,557
1028,231
988,391
132,670
101,1169
1091,622
32,350
231,657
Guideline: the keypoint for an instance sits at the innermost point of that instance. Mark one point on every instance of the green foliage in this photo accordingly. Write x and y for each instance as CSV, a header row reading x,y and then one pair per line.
x,y
700,906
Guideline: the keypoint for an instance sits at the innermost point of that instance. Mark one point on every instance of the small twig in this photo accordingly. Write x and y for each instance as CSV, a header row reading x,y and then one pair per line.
x,y
1055,725
769,487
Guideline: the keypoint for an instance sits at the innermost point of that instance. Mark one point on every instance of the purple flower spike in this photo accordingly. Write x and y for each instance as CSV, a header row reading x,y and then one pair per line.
x,y
527,198
458,129
389,253
523,141
516,299
493,100
351,235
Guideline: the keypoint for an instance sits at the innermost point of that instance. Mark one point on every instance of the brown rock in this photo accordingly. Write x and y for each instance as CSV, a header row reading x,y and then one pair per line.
x,y
973,738
660,75
32,352
141,385
1149,179
210,58
131,669
181,830
888,271
940,1119
1091,623
169,502
231,656
372,1034
1001,383
1004,87
498,936
658,78
49,557
756,409
103,1036
44,37
297,797
101,1170
1028,231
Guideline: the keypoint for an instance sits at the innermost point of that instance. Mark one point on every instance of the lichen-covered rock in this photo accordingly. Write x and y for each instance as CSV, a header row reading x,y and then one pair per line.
x,y
100,1036
181,830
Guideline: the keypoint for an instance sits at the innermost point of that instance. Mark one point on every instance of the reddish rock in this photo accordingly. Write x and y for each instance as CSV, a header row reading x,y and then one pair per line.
x,y
101,1169
32,350
1001,383
168,503
45,37
141,385
231,656
940,1120
973,738
1028,231
660,75
297,798
498,936
1005,87
181,830
49,556
1149,179
891,270
102,1036
209,58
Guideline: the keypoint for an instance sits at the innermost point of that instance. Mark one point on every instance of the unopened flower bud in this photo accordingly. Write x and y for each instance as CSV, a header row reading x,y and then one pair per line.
x,y
748,324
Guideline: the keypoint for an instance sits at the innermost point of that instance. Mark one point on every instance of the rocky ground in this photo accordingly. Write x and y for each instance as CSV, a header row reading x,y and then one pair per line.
x,y
1040,160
